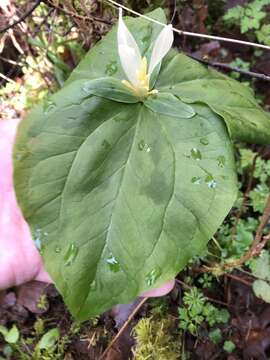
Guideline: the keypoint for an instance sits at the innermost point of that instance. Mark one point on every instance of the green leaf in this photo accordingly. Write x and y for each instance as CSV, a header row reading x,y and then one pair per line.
x,y
3,330
111,89
263,34
193,82
168,104
262,290
260,266
49,339
120,197
258,197
13,335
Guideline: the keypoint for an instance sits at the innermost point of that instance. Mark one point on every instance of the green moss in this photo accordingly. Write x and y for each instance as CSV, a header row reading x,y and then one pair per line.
x,y
156,339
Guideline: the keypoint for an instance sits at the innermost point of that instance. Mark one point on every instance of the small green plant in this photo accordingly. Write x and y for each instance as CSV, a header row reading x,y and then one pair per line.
x,y
197,310
39,326
263,34
240,64
206,280
260,269
215,336
12,335
250,17
235,236
229,346
41,346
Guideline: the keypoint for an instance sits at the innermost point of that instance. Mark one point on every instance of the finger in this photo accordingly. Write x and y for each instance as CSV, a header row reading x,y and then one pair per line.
x,y
163,290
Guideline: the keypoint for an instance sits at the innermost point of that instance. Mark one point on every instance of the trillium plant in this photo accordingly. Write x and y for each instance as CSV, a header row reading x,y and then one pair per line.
x,y
128,170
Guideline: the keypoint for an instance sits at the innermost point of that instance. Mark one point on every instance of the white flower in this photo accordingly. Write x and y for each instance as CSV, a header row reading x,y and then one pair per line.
x,y
134,66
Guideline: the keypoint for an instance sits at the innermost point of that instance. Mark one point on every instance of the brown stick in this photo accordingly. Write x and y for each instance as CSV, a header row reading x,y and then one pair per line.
x,y
231,68
123,328
237,278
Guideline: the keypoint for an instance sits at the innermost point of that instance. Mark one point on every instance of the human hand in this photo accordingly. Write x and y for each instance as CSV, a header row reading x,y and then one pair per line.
x,y
20,260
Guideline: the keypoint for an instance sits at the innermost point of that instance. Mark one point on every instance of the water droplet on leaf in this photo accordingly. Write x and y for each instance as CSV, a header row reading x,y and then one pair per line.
x,y
71,254
142,146
221,161
196,154
210,181
204,141
38,243
113,263
111,68
152,276
38,237
196,180
57,249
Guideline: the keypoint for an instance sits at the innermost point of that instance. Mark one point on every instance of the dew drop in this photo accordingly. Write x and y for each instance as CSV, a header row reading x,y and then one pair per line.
x,y
111,68
221,161
196,180
142,146
210,181
113,263
57,249
152,276
196,154
38,244
38,237
71,254
204,141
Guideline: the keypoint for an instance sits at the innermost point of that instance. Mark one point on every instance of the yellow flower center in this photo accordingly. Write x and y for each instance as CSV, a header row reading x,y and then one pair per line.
x,y
142,89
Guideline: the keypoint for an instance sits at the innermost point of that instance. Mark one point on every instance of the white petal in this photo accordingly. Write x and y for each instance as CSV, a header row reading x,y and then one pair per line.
x,y
128,50
161,47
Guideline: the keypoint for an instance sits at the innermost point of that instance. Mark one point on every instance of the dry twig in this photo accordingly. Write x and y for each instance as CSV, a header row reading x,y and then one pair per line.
x,y
123,328
22,18
220,65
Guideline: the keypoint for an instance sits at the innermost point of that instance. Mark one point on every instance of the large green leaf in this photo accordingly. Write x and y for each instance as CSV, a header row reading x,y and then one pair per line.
x,y
188,79
120,196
